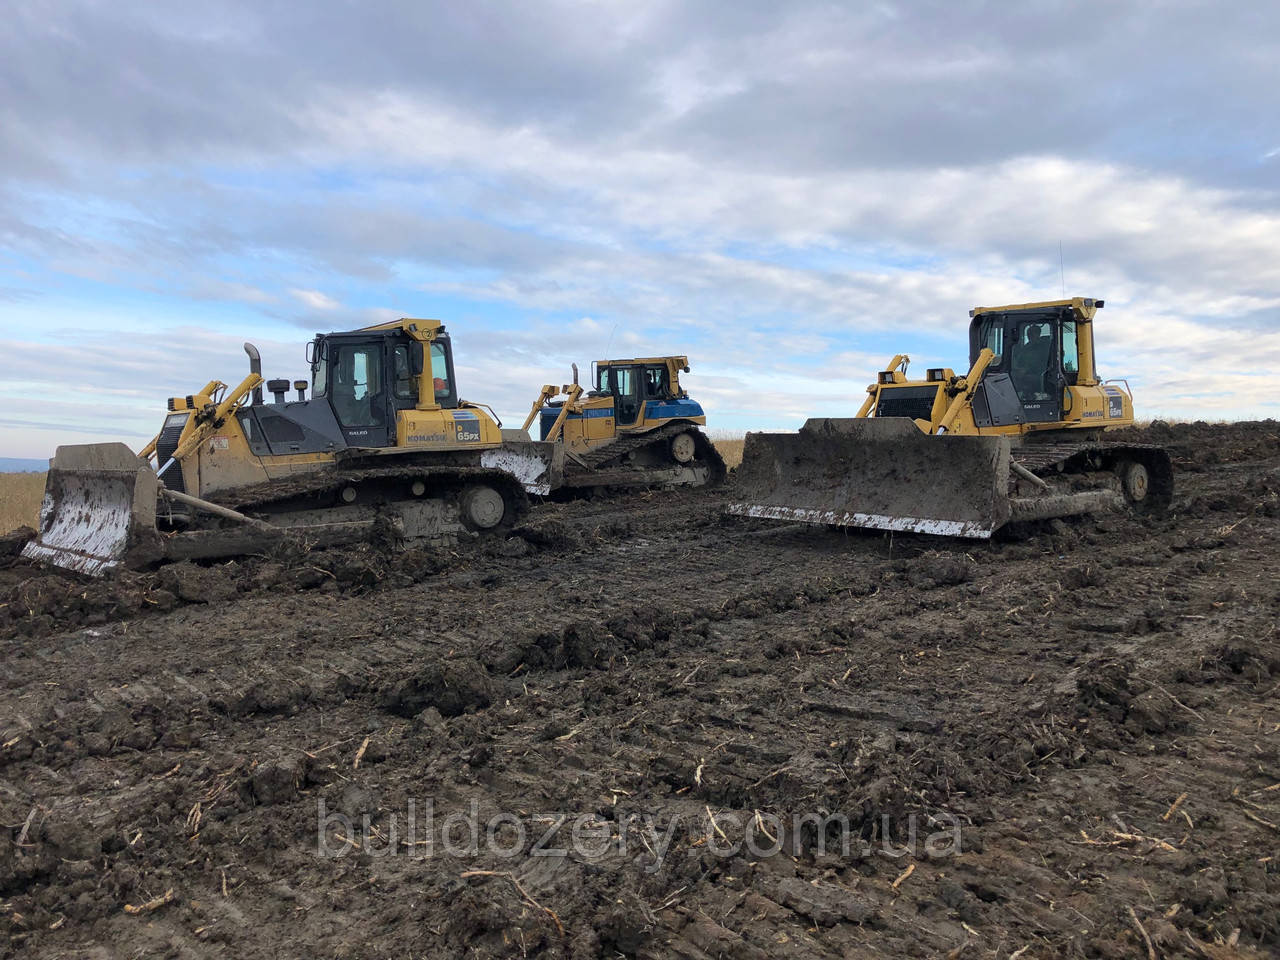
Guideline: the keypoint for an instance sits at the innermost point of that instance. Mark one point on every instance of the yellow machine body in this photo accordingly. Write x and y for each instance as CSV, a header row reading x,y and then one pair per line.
x,y
423,414
627,397
1001,394
636,425
1016,437
384,437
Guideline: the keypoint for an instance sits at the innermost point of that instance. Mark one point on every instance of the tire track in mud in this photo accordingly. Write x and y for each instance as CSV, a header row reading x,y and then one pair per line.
x,y
1055,694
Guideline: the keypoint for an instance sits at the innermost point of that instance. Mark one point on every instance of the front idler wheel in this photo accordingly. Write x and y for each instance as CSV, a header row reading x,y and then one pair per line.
x,y
483,507
683,448
1135,481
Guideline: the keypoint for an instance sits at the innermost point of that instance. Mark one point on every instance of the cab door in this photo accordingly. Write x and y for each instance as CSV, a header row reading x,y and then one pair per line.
x,y
361,391
625,382
1036,369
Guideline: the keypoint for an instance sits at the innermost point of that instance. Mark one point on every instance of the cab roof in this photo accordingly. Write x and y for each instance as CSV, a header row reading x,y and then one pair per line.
x,y
1086,307
678,361
419,329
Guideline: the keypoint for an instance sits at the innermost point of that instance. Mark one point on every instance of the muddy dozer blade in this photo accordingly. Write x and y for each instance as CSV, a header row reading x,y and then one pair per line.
x,y
537,465
99,499
884,474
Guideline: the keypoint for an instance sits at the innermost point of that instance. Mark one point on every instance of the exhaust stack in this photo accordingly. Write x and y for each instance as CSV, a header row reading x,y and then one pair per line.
x,y
255,366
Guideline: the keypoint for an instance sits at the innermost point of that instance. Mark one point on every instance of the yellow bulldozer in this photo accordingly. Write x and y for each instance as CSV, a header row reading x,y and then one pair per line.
x,y
383,440
635,426
1019,436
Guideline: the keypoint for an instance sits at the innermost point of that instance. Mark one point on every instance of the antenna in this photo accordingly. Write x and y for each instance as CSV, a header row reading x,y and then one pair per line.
x,y
609,345
1062,271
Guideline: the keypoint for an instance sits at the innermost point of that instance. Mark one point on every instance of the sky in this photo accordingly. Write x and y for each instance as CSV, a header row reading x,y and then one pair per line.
x,y
787,193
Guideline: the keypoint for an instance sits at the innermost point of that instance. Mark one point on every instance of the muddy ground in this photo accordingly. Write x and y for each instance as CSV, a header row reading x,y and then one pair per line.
x,y
1063,743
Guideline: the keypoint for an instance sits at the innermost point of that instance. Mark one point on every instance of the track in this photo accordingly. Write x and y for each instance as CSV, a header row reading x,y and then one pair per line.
x,y
1092,706
1049,459
611,465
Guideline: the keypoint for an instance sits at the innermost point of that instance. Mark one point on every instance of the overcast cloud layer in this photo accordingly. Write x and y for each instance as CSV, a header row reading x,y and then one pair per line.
x,y
788,193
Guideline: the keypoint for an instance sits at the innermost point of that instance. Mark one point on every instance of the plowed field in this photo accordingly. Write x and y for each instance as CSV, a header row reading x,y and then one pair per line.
x,y
639,728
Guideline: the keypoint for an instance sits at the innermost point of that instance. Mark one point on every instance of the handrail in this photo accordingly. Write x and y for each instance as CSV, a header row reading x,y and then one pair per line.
x,y
481,406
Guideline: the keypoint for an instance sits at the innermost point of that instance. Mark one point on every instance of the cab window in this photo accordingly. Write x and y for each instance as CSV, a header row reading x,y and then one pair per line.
x,y
993,339
403,379
1032,360
320,379
1070,353
656,385
624,381
357,387
441,375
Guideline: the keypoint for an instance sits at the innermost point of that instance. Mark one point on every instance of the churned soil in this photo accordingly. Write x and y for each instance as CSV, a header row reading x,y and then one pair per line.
x,y
640,728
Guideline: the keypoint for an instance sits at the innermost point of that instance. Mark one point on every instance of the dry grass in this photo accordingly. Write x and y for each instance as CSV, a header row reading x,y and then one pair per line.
x,y
730,449
20,496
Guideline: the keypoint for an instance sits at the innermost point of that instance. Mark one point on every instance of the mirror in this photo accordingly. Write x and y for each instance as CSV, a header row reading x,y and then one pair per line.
x,y
317,350
416,358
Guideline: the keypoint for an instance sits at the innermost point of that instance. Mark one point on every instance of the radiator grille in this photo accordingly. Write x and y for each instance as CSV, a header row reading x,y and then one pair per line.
x,y
913,402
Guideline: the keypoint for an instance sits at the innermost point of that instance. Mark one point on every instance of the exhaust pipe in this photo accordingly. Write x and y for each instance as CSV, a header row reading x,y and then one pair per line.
x,y
255,366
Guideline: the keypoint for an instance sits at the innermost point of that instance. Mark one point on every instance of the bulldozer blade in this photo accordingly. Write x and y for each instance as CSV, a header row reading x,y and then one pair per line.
x,y
537,465
99,500
880,473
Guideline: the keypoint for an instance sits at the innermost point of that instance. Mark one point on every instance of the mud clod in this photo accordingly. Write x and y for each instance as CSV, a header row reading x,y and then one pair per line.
x,y
196,584
451,686
933,570
954,746
824,904
549,534
11,543
276,781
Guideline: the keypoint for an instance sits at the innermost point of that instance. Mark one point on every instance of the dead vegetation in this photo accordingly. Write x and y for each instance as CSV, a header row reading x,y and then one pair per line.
x,y
730,449
20,496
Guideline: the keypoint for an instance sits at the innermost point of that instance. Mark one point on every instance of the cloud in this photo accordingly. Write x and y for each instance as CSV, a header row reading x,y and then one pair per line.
x,y
804,86
315,299
789,194
123,392
212,289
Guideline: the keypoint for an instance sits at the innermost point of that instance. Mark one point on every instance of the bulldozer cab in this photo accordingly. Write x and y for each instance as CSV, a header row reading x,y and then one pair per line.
x,y
368,376
634,383
1037,354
